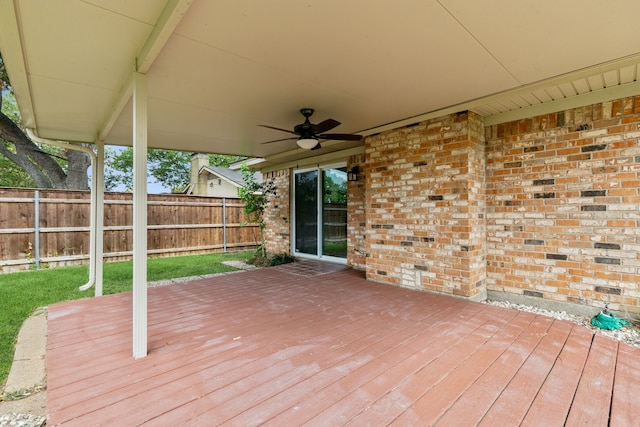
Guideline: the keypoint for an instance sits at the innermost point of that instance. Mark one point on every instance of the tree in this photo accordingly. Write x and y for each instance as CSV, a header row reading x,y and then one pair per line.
x,y
168,167
255,196
335,189
26,163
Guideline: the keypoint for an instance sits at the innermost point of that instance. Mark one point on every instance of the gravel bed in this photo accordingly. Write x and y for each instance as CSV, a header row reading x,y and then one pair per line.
x,y
237,264
185,279
627,334
21,420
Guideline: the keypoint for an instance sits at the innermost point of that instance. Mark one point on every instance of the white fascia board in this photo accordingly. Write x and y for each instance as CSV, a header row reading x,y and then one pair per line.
x,y
14,60
317,160
595,97
524,89
249,162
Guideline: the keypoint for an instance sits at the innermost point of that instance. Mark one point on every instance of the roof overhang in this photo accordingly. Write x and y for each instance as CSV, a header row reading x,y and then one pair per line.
x,y
216,70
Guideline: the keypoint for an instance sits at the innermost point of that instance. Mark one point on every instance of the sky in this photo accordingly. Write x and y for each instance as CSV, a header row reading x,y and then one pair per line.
x,y
153,187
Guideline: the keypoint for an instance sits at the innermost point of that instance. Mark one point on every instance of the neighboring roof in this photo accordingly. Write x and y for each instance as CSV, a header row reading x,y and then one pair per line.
x,y
216,70
234,177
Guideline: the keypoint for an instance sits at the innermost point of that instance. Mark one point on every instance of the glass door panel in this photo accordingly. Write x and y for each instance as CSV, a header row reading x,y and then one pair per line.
x,y
306,212
334,212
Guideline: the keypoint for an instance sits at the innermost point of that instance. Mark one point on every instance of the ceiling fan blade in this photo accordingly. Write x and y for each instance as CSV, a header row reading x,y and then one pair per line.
x,y
325,125
280,129
278,140
341,136
317,147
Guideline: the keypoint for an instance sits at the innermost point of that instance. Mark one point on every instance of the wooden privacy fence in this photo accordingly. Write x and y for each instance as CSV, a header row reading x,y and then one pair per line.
x,y
51,227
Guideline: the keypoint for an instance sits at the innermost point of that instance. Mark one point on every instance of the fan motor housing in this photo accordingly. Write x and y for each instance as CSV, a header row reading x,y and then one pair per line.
x,y
303,128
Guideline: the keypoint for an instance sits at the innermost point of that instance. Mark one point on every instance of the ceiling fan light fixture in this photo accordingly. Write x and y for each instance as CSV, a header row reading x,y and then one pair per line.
x,y
307,143
309,134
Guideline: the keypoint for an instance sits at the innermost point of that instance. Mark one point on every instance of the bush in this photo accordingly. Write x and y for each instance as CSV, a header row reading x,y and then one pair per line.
x,y
270,260
279,259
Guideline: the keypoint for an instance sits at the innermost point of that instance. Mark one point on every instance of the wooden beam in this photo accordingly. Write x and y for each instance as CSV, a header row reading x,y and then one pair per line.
x,y
116,109
166,24
162,30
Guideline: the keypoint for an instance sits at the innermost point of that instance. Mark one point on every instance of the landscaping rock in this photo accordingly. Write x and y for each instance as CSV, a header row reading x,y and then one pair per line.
x,y
21,420
628,334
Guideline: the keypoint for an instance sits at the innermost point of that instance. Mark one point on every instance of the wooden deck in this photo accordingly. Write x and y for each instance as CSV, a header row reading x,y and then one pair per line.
x,y
315,344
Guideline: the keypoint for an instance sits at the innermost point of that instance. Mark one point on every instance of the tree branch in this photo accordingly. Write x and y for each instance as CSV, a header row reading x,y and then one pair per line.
x,y
30,157
21,159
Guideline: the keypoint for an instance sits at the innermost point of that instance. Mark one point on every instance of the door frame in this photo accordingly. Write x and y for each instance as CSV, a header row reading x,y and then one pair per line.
x,y
319,230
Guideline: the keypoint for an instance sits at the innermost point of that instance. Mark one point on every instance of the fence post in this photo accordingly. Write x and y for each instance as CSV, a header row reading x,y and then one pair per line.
x,y
224,224
36,227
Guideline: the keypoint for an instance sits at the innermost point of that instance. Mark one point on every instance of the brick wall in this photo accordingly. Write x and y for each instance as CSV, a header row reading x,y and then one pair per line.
x,y
356,219
277,214
546,207
425,206
563,205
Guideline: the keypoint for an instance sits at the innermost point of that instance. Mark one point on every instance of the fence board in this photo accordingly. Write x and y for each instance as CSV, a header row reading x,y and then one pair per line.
x,y
177,225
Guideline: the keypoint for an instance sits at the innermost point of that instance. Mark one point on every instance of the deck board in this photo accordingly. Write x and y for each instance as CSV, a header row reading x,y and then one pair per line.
x,y
626,387
441,395
316,344
553,401
398,398
471,407
515,400
596,384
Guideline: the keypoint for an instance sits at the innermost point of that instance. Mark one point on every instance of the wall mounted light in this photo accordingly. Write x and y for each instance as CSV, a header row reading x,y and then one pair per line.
x,y
352,174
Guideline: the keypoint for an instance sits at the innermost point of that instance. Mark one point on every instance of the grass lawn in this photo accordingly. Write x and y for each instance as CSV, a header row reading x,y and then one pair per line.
x,y
21,293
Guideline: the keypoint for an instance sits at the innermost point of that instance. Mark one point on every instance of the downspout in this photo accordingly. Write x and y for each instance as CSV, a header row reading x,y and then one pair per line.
x,y
93,215
36,227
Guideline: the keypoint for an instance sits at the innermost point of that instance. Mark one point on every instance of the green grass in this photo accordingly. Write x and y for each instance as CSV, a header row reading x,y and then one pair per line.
x,y
22,293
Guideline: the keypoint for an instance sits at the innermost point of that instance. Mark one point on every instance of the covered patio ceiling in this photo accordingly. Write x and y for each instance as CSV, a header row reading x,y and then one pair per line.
x,y
216,70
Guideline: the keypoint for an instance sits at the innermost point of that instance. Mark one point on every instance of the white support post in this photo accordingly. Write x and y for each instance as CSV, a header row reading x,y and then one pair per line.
x,y
93,209
98,188
139,215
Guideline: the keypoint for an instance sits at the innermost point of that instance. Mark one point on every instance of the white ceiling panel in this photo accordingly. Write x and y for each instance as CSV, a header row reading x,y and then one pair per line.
x,y
536,40
224,67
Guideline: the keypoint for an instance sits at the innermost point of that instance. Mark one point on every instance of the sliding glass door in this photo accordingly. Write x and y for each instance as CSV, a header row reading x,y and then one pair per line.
x,y
320,212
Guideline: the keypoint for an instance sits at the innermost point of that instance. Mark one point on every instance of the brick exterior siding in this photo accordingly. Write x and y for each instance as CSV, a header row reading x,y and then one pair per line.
x,y
563,205
356,215
546,207
425,206
277,213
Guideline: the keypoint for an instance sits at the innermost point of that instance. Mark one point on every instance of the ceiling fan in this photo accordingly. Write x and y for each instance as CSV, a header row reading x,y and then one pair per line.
x,y
309,135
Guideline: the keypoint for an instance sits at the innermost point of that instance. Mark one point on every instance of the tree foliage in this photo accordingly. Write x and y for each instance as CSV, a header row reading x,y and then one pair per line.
x,y
255,196
335,188
170,168
25,163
